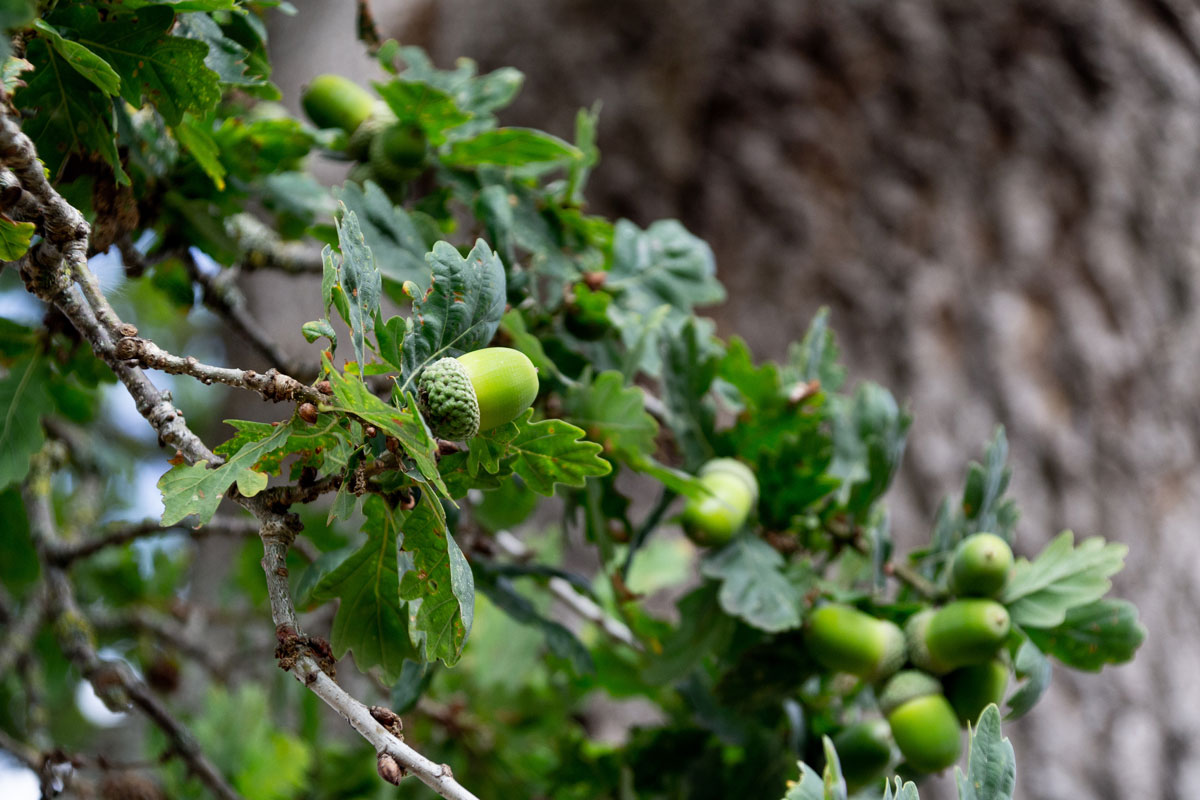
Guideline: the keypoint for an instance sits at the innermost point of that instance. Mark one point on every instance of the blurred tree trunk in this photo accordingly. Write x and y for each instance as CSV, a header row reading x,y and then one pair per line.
x,y
1000,201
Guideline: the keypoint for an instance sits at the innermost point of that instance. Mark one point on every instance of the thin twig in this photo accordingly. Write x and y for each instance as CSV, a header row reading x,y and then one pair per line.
x,y
655,407
583,607
918,582
163,629
646,528
922,585
25,753
63,553
272,384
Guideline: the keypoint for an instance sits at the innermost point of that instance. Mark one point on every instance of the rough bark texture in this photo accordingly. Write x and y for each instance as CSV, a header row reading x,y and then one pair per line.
x,y
998,199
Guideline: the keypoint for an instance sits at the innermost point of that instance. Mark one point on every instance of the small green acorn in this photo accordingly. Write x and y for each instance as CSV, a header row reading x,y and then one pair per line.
x,y
397,153
981,565
844,639
922,721
358,146
332,101
960,633
715,517
864,750
476,392
973,688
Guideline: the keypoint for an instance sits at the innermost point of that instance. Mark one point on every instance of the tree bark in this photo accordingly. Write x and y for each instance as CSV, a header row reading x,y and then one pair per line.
x,y
999,200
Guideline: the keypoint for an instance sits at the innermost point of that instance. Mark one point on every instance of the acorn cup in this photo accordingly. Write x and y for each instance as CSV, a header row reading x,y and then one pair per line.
x,y
478,391
923,723
844,639
715,517
397,153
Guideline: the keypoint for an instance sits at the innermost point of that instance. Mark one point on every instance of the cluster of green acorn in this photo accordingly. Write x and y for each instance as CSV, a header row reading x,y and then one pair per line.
x,y
957,668
390,152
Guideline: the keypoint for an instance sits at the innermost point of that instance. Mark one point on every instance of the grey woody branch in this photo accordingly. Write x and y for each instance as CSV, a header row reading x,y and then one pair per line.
x,y
63,553
18,636
50,271
309,661
272,384
163,629
261,248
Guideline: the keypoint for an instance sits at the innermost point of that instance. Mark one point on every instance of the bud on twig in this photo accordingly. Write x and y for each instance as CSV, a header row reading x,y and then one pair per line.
x,y
389,769
388,719
308,413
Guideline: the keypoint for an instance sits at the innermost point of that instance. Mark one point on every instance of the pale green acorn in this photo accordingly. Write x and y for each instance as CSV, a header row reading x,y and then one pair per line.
x,y
962,632
842,638
332,101
981,566
923,722
732,490
478,391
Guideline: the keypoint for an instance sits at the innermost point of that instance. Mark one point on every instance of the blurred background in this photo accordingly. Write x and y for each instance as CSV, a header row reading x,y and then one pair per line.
x,y
1000,202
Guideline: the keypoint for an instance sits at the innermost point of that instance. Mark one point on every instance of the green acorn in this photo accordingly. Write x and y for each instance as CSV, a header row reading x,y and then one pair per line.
x,y
972,689
714,518
864,750
981,565
476,392
960,633
332,101
922,721
844,639
358,146
397,153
